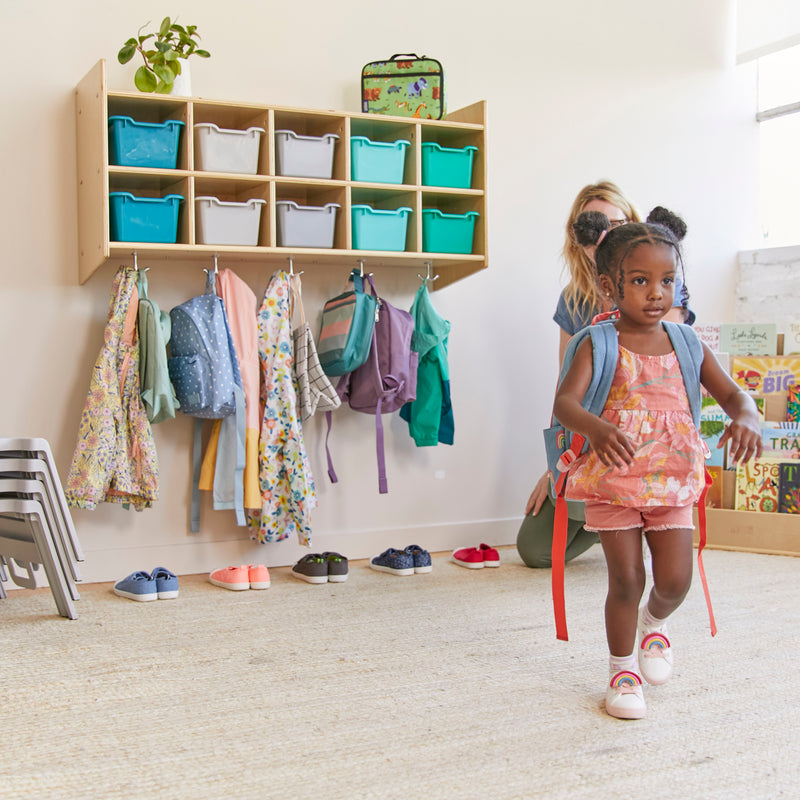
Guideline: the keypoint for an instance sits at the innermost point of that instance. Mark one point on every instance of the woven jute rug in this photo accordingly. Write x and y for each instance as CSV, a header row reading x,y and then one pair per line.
x,y
447,685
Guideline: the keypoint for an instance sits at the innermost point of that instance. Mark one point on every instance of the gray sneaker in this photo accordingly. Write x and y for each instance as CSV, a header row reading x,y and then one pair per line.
x,y
337,566
312,568
398,562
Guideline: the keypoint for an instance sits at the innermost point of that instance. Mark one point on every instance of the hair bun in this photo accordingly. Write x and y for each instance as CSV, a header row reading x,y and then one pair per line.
x,y
667,219
589,226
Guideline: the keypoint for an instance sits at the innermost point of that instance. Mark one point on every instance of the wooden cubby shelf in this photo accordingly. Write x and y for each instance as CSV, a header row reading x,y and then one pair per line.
x,y
96,178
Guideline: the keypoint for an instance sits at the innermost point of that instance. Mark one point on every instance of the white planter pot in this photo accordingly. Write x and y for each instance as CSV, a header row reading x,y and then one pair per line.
x,y
182,85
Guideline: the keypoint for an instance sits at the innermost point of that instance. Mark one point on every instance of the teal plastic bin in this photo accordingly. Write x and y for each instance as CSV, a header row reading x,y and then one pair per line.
x,y
377,162
144,219
447,233
379,229
143,144
447,166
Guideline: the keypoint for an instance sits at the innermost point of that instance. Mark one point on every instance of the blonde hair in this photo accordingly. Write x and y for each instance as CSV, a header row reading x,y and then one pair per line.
x,y
582,292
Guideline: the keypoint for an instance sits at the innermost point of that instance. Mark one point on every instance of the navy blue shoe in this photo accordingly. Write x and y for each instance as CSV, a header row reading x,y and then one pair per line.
x,y
166,583
137,586
422,558
398,562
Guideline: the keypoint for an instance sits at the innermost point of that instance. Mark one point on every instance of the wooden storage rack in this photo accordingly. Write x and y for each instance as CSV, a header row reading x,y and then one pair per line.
x,y
96,178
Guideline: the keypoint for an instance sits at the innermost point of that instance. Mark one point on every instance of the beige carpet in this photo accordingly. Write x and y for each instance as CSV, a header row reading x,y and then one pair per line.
x,y
447,685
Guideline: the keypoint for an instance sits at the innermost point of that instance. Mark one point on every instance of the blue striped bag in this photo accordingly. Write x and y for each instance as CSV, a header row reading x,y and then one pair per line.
x,y
347,324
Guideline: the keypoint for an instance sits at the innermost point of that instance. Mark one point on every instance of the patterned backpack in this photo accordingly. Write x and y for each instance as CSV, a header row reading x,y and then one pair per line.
x,y
204,370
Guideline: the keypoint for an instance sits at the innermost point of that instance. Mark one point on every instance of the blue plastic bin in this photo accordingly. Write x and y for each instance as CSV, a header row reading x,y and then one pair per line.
x,y
377,162
447,233
143,144
379,229
447,166
144,219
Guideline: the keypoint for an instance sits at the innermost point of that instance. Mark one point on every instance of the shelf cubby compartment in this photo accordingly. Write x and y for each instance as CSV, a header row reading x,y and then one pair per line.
x,y
155,113
235,190
307,211
384,200
230,135
129,188
314,147
378,152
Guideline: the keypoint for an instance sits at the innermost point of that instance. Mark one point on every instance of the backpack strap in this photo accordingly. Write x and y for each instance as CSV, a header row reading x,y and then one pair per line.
x,y
605,351
689,351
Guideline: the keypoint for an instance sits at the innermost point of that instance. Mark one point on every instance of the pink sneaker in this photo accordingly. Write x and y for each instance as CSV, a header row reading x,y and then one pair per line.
x,y
258,575
234,578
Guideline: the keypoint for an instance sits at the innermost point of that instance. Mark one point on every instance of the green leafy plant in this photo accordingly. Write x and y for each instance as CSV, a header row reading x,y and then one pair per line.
x,y
162,57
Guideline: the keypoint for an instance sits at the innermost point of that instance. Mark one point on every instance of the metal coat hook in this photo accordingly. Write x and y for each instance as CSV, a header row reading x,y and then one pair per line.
x,y
291,268
361,268
429,276
216,263
135,260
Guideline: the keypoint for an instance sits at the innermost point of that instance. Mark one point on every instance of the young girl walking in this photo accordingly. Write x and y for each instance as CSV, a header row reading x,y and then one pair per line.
x,y
644,469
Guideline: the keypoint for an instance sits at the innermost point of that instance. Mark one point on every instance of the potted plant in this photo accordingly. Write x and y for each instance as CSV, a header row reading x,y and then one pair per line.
x,y
162,57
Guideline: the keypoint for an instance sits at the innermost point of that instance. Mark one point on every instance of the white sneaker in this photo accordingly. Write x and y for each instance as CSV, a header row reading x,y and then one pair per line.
x,y
624,697
655,656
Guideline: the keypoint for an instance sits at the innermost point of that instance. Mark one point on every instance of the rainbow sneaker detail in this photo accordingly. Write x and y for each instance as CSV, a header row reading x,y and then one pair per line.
x,y
655,657
624,696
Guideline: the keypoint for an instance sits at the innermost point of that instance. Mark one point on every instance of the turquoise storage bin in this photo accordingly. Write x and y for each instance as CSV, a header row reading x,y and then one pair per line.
x,y
143,144
379,229
144,219
378,162
447,233
447,166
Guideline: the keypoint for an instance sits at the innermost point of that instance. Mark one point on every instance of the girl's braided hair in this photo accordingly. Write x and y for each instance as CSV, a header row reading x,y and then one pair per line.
x,y
614,245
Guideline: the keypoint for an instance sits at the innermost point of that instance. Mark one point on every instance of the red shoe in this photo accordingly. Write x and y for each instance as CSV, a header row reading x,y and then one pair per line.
x,y
477,557
491,558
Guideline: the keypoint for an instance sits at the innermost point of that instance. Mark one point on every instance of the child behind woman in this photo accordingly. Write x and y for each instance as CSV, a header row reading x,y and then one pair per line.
x,y
644,469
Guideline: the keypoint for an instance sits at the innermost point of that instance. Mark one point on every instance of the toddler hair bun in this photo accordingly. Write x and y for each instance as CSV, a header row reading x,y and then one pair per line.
x,y
672,222
589,227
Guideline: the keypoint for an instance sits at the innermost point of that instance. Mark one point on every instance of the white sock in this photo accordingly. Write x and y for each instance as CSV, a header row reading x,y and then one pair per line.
x,y
623,664
648,622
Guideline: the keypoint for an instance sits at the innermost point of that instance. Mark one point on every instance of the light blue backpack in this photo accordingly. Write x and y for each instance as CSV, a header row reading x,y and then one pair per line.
x,y
204,370
563,446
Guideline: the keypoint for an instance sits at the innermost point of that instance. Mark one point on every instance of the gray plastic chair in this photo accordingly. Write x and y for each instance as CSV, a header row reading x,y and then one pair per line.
x,y
26,537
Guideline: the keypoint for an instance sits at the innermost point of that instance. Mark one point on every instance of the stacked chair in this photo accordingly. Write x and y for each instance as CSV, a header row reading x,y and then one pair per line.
x,y
35,524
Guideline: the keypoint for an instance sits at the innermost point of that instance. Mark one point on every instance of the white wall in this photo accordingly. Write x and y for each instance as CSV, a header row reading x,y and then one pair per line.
x,y
576,92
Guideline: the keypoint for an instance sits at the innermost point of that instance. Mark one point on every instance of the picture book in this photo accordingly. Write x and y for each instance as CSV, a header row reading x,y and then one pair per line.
x,y
714,494
780,441
757,486
712,423
789,488
766,374
793,403
791,338
748,339
709,334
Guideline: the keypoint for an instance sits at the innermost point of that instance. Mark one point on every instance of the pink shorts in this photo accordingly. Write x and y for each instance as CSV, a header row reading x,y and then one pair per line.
x,y
607,517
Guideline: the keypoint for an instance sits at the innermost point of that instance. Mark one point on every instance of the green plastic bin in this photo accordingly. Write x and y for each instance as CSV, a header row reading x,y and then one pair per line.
x,y
447,166
379,229
377,162
447,233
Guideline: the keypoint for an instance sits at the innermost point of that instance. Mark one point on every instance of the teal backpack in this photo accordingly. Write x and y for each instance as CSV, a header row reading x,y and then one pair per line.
x,y
563,446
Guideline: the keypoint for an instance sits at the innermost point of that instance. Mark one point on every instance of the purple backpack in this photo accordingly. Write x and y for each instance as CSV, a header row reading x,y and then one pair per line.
x,y
386,381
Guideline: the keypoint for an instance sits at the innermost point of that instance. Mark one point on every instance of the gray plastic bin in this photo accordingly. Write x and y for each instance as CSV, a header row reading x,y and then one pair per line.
x,y
304,156
305,226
